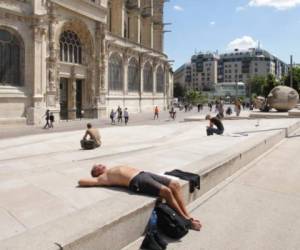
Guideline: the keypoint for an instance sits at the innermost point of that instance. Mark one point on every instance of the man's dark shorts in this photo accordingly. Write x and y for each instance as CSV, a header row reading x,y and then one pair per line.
x,y
148,183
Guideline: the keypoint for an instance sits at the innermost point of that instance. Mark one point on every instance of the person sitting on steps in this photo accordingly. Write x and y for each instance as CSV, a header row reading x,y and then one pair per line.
x,y
95,139
141,182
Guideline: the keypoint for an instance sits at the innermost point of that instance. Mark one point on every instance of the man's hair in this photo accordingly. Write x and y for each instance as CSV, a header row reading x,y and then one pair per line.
x,y
207,117
93,171
89,125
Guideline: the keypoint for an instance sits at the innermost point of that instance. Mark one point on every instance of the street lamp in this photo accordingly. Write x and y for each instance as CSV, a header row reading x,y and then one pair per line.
x,y
236,90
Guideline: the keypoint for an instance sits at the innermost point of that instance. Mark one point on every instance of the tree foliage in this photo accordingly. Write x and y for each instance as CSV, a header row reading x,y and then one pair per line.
x,y
195,97
257,83
261,86
296,79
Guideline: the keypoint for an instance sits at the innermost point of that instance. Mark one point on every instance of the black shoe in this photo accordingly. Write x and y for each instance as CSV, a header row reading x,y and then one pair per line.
x,y
149,243
160,240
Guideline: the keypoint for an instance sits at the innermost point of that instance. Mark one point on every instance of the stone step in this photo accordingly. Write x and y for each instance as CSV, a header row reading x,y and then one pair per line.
x,y
113,223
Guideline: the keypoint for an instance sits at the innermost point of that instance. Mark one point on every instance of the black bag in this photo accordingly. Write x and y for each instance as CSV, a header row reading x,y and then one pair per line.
x,y
193,179
170,222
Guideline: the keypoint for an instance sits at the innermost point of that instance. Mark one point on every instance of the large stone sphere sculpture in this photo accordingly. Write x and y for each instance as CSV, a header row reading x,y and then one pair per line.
x,y
283,98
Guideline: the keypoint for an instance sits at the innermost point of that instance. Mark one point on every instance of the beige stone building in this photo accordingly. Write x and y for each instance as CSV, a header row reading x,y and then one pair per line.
x,y
74,55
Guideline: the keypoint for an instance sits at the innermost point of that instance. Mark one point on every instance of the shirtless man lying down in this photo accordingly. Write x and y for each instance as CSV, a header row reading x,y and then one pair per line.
x,y
141,182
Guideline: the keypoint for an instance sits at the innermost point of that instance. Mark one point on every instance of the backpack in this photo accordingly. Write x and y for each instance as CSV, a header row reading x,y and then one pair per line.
x,y
170,222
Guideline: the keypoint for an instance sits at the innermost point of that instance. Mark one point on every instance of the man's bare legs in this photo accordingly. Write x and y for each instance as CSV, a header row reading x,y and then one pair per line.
x,y
173,196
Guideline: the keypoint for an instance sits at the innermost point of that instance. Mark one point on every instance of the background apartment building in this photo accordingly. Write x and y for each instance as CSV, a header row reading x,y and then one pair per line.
x,y
238,66
73,55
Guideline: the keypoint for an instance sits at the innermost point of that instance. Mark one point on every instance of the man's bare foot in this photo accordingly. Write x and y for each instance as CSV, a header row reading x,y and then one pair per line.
x,y
196,225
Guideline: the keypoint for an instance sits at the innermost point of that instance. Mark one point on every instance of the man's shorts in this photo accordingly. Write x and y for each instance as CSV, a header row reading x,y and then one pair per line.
x,y
148,183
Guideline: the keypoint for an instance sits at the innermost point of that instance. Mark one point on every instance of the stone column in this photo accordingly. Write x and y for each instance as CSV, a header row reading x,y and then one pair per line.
x,y
51,93
141,66
125,75
102,65
72,96
36,109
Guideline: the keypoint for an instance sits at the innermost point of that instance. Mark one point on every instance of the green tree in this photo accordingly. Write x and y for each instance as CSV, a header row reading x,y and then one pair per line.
x,y
256,85
269,85
296,79
179,91
195,97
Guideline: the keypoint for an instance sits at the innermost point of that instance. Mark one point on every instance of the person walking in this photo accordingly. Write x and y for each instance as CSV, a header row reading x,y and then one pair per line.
x,y
120,119
156,112
238,107
47,118
51,118
126,116
112,117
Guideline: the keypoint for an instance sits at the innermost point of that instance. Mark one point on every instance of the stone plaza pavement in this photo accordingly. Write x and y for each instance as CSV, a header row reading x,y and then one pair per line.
x,y
39,174
257,208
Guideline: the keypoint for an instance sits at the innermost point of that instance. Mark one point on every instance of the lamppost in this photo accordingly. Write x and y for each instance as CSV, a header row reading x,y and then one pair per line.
x,y
236,90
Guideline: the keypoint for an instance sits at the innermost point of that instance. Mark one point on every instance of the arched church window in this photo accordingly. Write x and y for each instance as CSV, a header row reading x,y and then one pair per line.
x,y
160,80
148,78
133,75
70,47
115,73
10,59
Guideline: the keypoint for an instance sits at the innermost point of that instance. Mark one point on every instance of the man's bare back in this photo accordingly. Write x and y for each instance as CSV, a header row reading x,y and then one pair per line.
x,y
116,176
119,175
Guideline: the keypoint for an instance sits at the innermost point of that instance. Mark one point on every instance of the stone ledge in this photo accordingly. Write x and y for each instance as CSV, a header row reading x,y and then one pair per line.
x,y
95,226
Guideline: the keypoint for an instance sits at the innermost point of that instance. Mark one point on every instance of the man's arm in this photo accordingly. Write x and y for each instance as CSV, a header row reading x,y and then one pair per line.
x,y
85,135
93,182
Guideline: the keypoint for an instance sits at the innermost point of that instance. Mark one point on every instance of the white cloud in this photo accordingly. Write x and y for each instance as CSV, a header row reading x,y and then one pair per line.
x,y
278,4
178,8
242,43
212,23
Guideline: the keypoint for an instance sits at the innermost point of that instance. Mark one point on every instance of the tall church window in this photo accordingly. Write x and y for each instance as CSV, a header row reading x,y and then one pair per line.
x,y
70,47
133,75
10,59
160,80
148,78
115,72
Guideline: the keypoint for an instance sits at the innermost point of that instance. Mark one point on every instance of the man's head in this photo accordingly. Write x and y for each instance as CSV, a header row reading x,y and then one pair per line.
x,y
207,117
98,170
89,125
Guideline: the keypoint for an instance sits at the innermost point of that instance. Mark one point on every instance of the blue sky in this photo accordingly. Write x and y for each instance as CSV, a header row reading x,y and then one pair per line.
x,y
210,25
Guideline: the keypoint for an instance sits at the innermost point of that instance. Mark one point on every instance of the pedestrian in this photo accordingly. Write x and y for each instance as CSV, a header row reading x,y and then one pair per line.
x,y
228,111
47,118
237,107
156,112
112,116
172,113
210,106
126,116
199,107
120,119
214,121
221,109
51,117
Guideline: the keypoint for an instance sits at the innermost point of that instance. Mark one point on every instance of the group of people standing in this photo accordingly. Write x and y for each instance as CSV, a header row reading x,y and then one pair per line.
x,y
120,114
